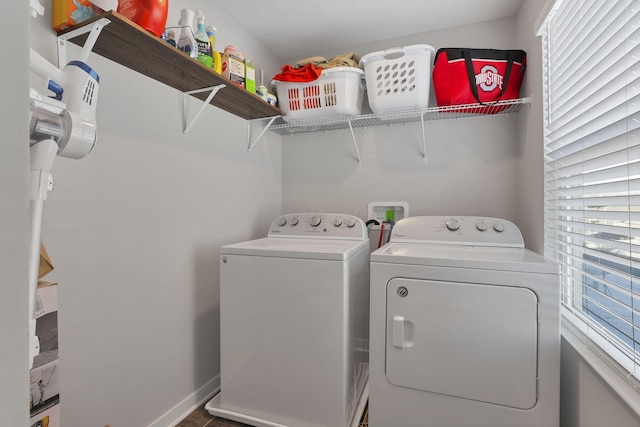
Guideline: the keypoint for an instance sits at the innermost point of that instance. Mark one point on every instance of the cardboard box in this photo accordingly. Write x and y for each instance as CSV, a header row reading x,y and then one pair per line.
x,y
44,378
67,13
250,77
48,417
46,266
233,69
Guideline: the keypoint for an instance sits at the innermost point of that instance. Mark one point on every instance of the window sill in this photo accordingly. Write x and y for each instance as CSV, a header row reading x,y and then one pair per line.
x,y
603,365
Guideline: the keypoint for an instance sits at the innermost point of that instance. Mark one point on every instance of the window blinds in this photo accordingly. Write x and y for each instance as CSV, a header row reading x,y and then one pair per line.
x,y
591,83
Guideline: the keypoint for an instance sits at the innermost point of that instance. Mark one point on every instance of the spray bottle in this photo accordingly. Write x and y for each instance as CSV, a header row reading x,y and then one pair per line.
x,y
187,42
202,41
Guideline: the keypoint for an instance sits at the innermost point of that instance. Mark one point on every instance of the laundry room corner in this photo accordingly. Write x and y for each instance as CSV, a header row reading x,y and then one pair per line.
x,y
134,230
321,171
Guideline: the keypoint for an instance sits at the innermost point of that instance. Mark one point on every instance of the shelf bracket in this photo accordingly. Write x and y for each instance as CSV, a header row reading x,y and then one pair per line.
x,y
424,143
185,105
94,30
355,145
266,128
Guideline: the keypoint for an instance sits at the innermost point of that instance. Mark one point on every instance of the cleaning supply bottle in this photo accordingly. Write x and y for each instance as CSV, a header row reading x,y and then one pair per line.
x,y
187,42
211,33
215,55
149,14
171,38
202,41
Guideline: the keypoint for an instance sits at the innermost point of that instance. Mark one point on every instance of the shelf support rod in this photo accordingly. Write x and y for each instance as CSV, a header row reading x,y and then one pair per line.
x,y
94,30
355,145
266,128
185,105
424,143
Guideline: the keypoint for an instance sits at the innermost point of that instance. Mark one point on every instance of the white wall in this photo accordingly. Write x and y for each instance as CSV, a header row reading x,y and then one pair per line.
x,y
472,164
530,148
14,165
134,229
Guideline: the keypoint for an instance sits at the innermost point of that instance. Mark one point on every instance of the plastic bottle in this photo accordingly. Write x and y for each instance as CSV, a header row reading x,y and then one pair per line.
x,y
171,38
217,58
187,42
149,14
211,33
202,41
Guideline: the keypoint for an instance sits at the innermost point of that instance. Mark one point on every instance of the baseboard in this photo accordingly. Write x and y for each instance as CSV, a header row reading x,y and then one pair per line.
x,y
189,404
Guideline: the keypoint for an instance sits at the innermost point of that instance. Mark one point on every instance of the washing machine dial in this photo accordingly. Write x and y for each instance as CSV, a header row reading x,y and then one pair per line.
x,y
351,222
294,221
482,226
315,221
281,222
453,224
337,222
499,227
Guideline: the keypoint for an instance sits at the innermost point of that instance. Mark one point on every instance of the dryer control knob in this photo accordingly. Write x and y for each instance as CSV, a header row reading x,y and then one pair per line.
x,y
499,227
315,221
337,222
294,221
351,222
453,225
281,222
482,226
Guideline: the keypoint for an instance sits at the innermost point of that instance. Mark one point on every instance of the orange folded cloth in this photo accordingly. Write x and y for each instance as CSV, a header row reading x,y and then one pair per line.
x,y
308,73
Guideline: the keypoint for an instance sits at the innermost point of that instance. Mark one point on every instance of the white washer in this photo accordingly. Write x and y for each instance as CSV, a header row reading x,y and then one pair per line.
x,y
465,327
294,313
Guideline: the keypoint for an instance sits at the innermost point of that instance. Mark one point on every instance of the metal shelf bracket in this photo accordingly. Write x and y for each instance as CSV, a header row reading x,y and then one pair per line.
x,y
252,144
424,143
355,145
94,30
185,105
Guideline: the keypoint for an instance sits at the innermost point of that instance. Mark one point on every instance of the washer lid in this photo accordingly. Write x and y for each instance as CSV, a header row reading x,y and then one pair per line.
x,y
322,249
478,257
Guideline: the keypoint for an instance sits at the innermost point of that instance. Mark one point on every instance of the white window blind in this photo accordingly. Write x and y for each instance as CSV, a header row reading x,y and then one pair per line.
x,y
591,84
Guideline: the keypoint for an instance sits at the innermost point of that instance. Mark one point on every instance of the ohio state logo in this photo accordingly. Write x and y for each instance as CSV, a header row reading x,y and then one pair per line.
x,y
488,79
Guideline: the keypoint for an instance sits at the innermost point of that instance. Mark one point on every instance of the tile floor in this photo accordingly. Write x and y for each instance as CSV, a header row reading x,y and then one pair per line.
x,y
201,418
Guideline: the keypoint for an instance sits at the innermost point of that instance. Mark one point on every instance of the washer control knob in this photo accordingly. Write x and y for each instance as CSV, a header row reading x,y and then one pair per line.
x,y
482,226
453,225
351,222
499,227
315,221
281,221
337,222
294,221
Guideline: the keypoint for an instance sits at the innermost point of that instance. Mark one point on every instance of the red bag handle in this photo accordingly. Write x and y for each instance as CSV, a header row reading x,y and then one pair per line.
x,y
472,77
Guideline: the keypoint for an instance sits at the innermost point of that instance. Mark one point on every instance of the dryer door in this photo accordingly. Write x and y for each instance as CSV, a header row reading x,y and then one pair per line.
x,y
465,340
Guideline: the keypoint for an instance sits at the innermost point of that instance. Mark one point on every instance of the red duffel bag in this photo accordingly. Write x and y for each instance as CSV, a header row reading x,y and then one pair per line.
x,y
477,76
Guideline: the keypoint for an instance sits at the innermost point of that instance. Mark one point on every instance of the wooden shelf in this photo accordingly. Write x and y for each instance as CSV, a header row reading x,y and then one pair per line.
x,y
130,45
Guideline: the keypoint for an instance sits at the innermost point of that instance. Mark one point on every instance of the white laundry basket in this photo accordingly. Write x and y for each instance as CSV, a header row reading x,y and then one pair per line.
x,y
398,78
337,92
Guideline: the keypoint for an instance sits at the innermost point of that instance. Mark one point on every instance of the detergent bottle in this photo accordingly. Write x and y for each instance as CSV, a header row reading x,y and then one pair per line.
x,y
217,58
186,41
202,41
149,14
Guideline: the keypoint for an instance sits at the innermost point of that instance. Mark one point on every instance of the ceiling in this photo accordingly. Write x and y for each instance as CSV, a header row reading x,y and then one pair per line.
x,y
293,28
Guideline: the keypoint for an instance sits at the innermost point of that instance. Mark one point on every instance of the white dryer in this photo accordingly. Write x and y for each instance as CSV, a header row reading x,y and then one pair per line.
x,y
294,314
464,327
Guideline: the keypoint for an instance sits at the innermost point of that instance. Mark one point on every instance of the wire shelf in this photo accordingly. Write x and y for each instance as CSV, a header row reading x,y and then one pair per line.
x,y
400,117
